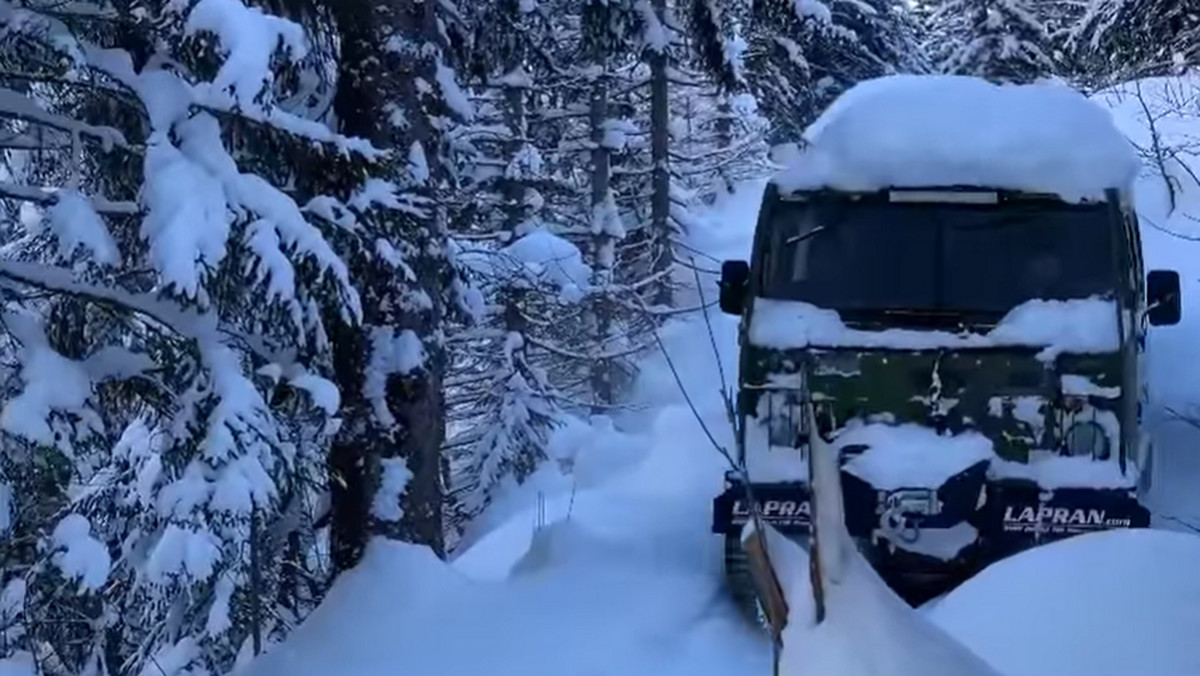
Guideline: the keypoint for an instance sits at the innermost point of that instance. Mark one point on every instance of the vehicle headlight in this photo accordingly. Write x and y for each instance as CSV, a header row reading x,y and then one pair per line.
x,y
786,424
1087,438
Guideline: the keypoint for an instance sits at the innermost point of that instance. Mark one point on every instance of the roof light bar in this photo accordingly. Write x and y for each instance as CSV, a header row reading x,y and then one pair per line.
x,y
950,196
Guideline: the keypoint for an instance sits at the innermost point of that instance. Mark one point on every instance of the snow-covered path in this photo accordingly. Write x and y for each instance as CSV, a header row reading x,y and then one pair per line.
x,y
625,578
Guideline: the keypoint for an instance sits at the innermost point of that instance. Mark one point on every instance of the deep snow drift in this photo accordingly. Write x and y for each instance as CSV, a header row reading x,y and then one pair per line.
x,y
1119,603
577,603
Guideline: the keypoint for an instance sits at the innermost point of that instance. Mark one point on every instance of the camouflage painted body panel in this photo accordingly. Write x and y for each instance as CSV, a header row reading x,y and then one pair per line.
x,y
1006,394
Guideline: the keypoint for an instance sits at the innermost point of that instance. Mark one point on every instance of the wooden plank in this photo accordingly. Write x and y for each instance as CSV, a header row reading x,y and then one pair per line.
x,y
766,583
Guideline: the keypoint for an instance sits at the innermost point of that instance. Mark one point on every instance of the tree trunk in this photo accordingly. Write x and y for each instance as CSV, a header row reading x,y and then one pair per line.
x,y
417,399
373,80
724,135
660,201
355,103
603,242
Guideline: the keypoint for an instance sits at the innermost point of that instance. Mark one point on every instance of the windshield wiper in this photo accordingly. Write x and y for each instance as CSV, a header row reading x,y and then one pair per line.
x,y
796,239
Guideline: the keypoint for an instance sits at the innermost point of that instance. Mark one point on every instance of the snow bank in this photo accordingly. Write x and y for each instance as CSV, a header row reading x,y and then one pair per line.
x,y
867,631
565,610
583,455
1078,326
20,664
1115,603
927,131
911,456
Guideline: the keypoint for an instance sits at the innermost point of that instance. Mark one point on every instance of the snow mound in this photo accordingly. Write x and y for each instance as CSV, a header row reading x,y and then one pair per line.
x,y
1113,603
906,131
1084,326
557,544
867,630
911,456
582,604
20,664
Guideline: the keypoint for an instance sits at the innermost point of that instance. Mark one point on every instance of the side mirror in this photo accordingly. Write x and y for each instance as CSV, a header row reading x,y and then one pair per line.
x,y
735,279
1164,307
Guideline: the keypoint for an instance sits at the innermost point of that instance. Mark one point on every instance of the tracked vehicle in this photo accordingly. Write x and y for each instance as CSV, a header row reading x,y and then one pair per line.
x,y
977,355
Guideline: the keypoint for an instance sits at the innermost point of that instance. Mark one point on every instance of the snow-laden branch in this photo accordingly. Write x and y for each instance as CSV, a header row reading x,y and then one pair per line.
x,y
63,280
16,105
45,197
600,356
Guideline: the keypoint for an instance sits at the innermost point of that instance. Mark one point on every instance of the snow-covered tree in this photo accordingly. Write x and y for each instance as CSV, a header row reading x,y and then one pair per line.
x,y
945,28
397,89
798,55
507,210
1006,41
168,295
1119,40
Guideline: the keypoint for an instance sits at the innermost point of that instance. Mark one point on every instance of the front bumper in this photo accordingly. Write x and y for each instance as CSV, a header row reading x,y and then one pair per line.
x,y
1010,514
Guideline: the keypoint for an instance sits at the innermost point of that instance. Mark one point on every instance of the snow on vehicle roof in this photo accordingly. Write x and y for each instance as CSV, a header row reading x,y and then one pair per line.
x,y
922,131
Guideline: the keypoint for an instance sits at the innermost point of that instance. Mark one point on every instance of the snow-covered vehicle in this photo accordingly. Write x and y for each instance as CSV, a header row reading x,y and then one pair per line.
x,y
974,347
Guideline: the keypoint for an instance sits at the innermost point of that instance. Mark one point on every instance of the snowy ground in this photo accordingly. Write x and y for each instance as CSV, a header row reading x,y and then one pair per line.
x,y
625,578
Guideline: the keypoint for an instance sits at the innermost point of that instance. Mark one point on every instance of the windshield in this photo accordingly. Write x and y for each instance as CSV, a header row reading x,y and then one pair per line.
x,y
873,255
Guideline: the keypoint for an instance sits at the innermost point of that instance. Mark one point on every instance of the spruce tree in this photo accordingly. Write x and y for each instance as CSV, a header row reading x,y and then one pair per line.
x,y
1119,40
1006,42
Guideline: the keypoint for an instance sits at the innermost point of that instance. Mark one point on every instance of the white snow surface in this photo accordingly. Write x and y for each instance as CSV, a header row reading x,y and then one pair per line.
x,y
79,555
19,664
1087,325
550,258
1053,472
77,225
867,630
911,456
386,505
1118,603
1082,386
248,37
52,383
392,353
903,131
860,627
